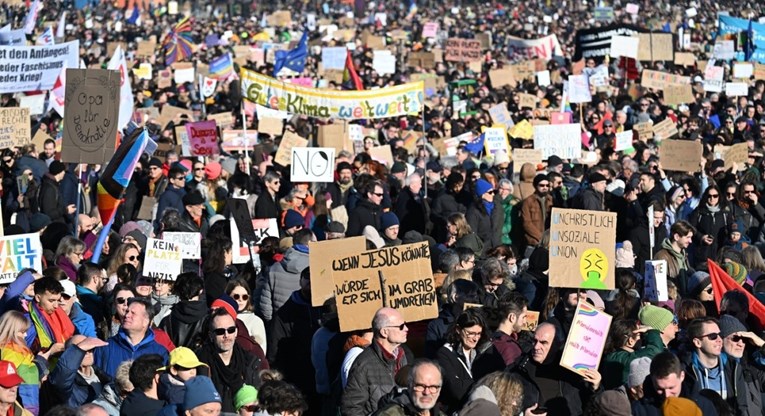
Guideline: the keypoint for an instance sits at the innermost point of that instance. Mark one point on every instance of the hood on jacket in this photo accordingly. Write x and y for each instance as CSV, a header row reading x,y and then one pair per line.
x,y
294,261
190,311
528,171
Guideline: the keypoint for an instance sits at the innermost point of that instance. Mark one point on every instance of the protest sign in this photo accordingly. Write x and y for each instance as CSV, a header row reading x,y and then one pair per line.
x,y
586,339
527,100
430,30
532,320
579,89
562,140
736,89
425,60
333,58
184,73
656,281
170,113
544,48
394,101
495,140
321,255
384,62
35,103
543,78
676,94
724,50
190,244
738,154
312,164
163,260
524,71
145,49
222,120
523,156
759,71
146,211
284,153
271,126
623,140
162,148
564,117
626,46
603,14
743,70
203,138
397,277
182,136
632,8
685,59
665,129
522,130
39,139
237,141
713,78
334,135
680,155
33,68
382,154
143,71
463,50
659,80
501,77
582,244
13,37
15,127
730,27
242,250
655,47
596,41
92,111
18,252
264,228
500,115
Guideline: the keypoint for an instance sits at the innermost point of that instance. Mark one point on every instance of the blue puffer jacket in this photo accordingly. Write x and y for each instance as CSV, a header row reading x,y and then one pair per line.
x,y
83,323
70,387
120,349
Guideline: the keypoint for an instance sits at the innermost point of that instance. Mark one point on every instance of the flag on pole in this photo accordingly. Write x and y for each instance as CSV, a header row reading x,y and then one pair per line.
x,y
351,79
222,66
58,93
61,26
722,283
749,46
46,38
293,59
475,146
31,20
116,177
118,63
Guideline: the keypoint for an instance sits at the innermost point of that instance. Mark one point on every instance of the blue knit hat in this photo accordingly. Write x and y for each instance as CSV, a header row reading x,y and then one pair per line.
x,y
292,219
199,390
481,187
388,219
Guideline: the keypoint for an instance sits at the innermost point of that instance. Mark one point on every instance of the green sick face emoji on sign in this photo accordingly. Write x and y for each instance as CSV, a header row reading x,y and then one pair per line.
x,y
593,267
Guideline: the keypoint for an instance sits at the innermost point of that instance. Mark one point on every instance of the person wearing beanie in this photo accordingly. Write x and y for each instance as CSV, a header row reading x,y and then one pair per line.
x,y
612,402
193,218
485,218
640,236
591,197
737,271
735,339
153,184
246,400
639,370
342,187
699,287
201,398
678,406
390,229
38,222
536,210
213,171
661,320
293,222
173,195
51,201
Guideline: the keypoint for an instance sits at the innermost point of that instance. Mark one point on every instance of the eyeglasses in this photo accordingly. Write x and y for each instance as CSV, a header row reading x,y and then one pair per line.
x,y
243,298
251,408
419,388
544,185
473,334
82,253
222,331
198,169
180,178
490,192
730,193
713,196
713,336
400,327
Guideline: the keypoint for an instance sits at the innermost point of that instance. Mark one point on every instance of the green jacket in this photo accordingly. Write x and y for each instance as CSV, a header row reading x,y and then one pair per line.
x,y
616,365
509,206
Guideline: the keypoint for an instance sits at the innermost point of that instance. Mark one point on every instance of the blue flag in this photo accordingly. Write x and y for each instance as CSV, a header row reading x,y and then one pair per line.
x,y
476,145
749,42
293,59
133,18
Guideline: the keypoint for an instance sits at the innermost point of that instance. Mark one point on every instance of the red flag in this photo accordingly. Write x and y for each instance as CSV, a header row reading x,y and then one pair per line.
x,y
722,283
350,74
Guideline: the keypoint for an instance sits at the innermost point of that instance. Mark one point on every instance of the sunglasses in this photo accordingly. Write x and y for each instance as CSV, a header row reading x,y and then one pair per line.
x,y
243,298
400,327
222,331
710,290
737,338
713,336
378,195
132,258
65,296
544,185
713,196
122,301
180,178
251,408
198,169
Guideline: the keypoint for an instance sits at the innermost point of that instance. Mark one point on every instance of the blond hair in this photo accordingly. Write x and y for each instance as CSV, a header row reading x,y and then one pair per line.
x,y
11,324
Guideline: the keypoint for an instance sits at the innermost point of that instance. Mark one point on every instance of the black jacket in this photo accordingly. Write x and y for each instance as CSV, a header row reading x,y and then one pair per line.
x,y
339,198
187,224
228,379
589,199
267,207
51,203
487,226
651,403
413,212
185,322
641,243
457,377
709,223
365,213
137,404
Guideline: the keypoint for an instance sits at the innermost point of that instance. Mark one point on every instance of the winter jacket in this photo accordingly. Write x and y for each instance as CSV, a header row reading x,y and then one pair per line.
x,y
589,199
487,226
120,349
365,213
91,303
456,374
171,389
730,373
83,323
641,244
282,280
51,203
473,242
709,223
651,403
535,221
184,324
616,366
110,400
38,167
435,337
171,198
166,304
138,404
371,378
188,225
752,217
413,212
266,207
525,187
229,378
339,198
399,403
676,262
68,385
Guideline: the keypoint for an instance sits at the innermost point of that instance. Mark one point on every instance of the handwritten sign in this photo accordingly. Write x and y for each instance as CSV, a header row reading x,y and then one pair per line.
x,y
14,127
664,129
623,140
284,153
264,228
501,77
313,164
680,155
656,281
523,156
190,243
203,137
163,260
644,130
90,119
495,140
676,94
586,339
659,80
320,258
579,89
463,50
500,115
562,140
523,130
582,246
738,154
532,320
18,252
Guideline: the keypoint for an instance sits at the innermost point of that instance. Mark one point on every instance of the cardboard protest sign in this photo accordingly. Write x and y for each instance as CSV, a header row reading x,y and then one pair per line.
x,y
321,255
527,100
169,113
222,120
425,60
203,138
656,281
92,112
655,47
523,130
269,125
582,242
579,89
664,129
522,156
382,154
532,320
676,94
685,59
397,277
623,140
163,260
39,139
659,80
524,71
738,154
284,153
586,339
500,115
463,50
162,148
335,135
190,243
146,49
264,228
759,71
562,140
644,130
312,164
501,77
16,127
680,155
18,252
544,48
146,212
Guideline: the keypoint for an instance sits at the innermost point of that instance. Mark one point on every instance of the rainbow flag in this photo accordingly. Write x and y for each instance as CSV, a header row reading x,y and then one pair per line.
x,y
222,67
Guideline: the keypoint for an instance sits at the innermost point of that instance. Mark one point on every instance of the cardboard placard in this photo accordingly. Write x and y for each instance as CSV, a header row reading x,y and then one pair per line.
x,y
382,154
284,153
532,320
644,130
738,153
163,260
656,47
527,101
759,71
92,111
39,139
463,50
659,80
335,135
321,255
190,243
270,125
16,127
685,59
146,49
680,155
162,149
397,277
656,281
501,77
312,164
522,156
665,129
203,138
169,113
582,244
676,94
562,140
222,120
586,340
146,212
500,115
21,251
426,60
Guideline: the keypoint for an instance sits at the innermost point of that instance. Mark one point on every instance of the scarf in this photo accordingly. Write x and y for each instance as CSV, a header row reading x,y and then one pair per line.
x,y
344,188
713,209
399,358
227,378
53,328
489,206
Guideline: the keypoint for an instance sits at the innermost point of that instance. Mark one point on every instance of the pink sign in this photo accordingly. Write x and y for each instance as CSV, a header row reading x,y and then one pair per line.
x,y
430,30
303,82
586,339
203,137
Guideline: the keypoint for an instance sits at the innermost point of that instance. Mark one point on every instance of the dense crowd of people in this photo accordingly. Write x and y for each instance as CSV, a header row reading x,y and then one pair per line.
x,y
91,334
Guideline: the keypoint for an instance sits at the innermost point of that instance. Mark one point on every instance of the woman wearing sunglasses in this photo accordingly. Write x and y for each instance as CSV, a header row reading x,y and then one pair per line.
x,y
126,253
710,219
240,292
119,306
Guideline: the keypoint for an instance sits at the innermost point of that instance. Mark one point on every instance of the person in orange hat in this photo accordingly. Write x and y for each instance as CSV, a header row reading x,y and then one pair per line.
x,y
9,388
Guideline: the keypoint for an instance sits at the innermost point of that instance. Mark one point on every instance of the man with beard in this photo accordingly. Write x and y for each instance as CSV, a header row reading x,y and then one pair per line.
x,y
735,339
420,397
505,349
343,186
536,210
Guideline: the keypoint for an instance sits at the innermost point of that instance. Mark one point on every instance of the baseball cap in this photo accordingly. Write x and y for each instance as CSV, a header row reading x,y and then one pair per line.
x,y
9,377
183,357
69,288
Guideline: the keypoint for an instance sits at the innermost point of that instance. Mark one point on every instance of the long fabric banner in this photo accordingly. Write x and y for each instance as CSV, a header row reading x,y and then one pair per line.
x,y
731,28
271,93
543,48
596,42
33,68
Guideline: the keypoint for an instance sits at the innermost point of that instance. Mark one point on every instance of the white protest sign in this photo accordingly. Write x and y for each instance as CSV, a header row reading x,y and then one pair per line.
x,y
384,62
626,46
265,112
623,140
184,75
743,70
562,140
495,140
736,89
578,89
656,280
35,68
356,132
35,103
18,252
724,50
632,8
333,58
543,78
265,227
163,260
313,164
190,243
713,78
